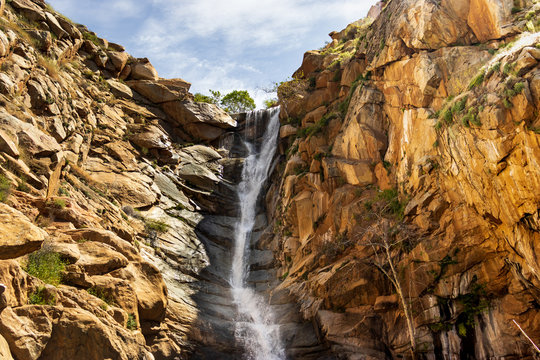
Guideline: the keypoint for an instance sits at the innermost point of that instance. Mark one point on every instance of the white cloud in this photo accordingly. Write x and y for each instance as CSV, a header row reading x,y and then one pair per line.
x,y
220,45
248,23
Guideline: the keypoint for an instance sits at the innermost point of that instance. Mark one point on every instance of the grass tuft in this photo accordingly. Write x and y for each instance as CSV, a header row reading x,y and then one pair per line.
x,y
477,80
131,322
41,297
155,225
5,188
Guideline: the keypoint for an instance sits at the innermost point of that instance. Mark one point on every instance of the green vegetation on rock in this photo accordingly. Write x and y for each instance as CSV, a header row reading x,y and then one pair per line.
x,y
46,266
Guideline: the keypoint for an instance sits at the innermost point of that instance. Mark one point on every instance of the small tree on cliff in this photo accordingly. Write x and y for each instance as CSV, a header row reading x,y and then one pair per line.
x,y
383,237
214,98
238,101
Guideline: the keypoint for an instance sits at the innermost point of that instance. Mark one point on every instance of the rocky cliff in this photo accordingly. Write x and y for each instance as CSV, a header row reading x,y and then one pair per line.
x,y
401,220
408,207
105,172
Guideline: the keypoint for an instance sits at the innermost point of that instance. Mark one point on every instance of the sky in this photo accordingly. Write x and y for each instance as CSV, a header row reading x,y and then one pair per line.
x,y
218,45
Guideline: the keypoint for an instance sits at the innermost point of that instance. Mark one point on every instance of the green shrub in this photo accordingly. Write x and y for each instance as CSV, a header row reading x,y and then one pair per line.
x,y
46,266
507,104
475,302
156,225
393,205
299,170
237,101
101,294
515,10
459,105
270,103
475,121
477,80
465,120
508,67
5,188
518,87
447,116
318,127
23,186
131,322
359,81
59,203
41,297
93,38
435,115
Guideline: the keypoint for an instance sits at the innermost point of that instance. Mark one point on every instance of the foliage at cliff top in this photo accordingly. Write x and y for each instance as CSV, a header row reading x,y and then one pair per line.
x,y
236,101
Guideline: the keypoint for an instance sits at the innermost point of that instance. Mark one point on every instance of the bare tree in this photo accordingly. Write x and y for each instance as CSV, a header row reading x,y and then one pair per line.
x,y
384,236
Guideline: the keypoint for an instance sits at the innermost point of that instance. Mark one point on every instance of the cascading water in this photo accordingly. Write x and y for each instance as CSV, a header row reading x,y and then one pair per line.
x,y
255,327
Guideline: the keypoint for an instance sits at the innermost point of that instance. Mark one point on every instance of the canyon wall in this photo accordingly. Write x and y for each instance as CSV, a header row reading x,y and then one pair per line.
x,y
407,212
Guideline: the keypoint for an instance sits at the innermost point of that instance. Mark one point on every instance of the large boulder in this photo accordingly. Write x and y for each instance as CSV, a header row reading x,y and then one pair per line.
x,y
32,139
16,282
120,90
29,10
98,258
149,287
107,237
18,236
188,112
71,29
27,330
80,335
487,18
150,137
130,188
55,26
199,175
201,120
119,59
143,70
7,145
162,90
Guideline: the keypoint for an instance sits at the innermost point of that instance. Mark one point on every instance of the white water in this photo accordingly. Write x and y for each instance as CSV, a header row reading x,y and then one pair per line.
x,y
255,327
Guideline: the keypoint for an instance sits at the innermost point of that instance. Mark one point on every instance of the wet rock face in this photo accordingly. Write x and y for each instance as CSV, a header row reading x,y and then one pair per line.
x,y
439,144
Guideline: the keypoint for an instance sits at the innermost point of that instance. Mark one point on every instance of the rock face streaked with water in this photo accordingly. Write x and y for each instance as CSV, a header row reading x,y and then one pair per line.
x,y
255,328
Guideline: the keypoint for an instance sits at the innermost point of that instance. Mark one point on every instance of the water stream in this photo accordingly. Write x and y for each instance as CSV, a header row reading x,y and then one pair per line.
x,y
255,327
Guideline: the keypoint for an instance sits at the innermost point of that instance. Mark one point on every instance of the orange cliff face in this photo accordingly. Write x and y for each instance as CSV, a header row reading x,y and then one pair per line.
x,y
408,208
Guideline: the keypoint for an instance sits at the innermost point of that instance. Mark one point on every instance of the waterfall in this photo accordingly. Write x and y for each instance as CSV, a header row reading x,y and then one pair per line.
x,y
255,327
